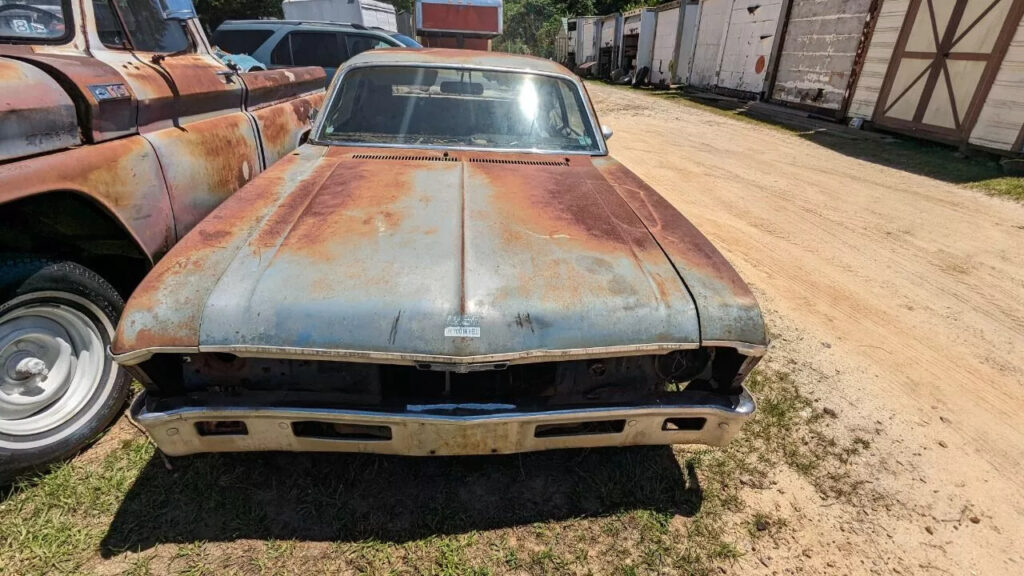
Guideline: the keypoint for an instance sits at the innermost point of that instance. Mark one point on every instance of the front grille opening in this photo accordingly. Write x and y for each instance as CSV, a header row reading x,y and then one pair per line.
x,y
415,385
341,431
222,428
680,424
592,428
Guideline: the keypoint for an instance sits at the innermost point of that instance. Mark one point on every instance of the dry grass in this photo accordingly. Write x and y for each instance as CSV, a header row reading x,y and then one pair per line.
x,y
621,511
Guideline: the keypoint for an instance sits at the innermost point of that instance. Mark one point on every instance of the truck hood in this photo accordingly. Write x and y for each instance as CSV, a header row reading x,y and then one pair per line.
x,y
415,256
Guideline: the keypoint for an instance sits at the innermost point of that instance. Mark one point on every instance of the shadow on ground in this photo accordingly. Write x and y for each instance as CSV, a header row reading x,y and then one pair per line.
x,y
341,497
909,154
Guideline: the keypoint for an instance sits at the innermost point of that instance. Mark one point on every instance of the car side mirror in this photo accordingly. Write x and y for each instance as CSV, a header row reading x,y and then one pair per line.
x,y
312,114
606,132
178,9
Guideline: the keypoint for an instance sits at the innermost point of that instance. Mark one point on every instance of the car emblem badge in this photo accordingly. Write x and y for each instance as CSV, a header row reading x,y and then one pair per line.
x,y
462,326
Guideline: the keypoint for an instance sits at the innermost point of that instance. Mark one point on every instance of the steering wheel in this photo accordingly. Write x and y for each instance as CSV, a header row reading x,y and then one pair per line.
x,y
44,17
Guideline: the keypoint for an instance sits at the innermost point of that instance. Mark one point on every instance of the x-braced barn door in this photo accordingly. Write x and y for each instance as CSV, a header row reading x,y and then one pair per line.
x,y
943,65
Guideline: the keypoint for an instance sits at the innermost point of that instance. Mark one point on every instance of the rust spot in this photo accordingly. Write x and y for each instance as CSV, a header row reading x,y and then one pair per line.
x,y
273,86
674,232
282,125
166,308
122,175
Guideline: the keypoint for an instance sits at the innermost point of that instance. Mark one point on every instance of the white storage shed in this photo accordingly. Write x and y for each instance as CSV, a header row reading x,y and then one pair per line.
x,y
952,75
637,39
666,36
586,38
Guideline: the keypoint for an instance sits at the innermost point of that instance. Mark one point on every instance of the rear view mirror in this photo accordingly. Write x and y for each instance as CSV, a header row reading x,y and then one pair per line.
x,y
606,132
462,88
178,9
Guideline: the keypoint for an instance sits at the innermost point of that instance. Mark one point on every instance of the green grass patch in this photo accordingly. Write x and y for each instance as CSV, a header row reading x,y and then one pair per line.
x,y
619,511
1007,186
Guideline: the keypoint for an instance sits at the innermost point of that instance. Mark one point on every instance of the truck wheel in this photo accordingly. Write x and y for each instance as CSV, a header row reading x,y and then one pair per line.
x,y
58,386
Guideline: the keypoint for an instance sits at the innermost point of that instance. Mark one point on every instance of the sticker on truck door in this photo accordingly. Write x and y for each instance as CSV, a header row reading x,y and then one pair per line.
x,y
462,326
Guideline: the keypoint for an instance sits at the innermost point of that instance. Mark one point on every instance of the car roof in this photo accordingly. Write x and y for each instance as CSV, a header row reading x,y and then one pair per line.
x,y
293,24
447,56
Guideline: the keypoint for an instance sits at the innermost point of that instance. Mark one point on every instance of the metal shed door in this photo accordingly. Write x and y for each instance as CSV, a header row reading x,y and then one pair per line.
x,y
688,42
943,65
714,20
749,40
664,45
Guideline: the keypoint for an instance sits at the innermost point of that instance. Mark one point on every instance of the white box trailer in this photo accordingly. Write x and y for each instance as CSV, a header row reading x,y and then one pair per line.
x,y
570,30
608,46
687,40
370,13
637,39
586,39
666,32
561,53
711,34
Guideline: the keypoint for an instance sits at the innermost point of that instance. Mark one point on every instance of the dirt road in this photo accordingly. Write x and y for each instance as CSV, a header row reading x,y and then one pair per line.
x,y
898,301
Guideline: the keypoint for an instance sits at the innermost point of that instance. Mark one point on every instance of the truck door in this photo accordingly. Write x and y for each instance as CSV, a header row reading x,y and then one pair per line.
x,y
190,104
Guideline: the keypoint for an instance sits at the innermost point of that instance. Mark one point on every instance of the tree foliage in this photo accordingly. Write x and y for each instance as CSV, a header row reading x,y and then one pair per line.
x,y
213,12
531,25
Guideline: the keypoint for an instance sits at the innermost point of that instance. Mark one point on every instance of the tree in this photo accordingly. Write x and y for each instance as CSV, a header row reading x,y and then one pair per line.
x,y
213,12
531,25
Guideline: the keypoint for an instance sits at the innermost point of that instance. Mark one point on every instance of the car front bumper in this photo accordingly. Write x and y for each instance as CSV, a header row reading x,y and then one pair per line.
x,y
436,430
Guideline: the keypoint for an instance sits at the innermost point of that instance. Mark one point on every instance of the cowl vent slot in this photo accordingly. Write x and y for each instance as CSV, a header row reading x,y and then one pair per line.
x,y
521,162
404,158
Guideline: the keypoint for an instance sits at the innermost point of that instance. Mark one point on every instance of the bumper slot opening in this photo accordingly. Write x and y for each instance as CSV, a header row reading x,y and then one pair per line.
x,y
678,424
591,428
222,428
341,431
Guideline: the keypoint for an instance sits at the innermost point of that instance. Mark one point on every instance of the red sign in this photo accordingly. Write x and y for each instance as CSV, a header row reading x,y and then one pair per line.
x,y
459,18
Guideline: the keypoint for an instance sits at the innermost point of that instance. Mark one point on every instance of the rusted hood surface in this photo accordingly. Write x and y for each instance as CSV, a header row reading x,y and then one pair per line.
x,y
414,256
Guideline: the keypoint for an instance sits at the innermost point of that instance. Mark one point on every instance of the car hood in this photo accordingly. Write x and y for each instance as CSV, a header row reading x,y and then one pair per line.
x,y
418,256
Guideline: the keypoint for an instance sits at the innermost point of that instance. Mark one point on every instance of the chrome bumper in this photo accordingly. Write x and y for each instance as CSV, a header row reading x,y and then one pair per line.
x,y
188,430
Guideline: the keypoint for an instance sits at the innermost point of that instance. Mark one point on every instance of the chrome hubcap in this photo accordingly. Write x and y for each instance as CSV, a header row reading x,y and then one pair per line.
x,y
51,361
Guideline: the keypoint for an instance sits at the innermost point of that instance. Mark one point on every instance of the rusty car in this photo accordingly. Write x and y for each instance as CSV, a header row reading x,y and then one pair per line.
x,y
119,131
453,264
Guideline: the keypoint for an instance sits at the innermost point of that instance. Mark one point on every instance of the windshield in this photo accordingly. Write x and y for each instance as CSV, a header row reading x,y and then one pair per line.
x,y
33,20
420,106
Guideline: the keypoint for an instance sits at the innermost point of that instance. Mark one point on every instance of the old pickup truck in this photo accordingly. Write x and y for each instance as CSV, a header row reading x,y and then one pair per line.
x,y
119,131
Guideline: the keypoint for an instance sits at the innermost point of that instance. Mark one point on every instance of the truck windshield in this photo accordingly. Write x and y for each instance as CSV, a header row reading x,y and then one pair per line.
x,y
33,20
458,107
